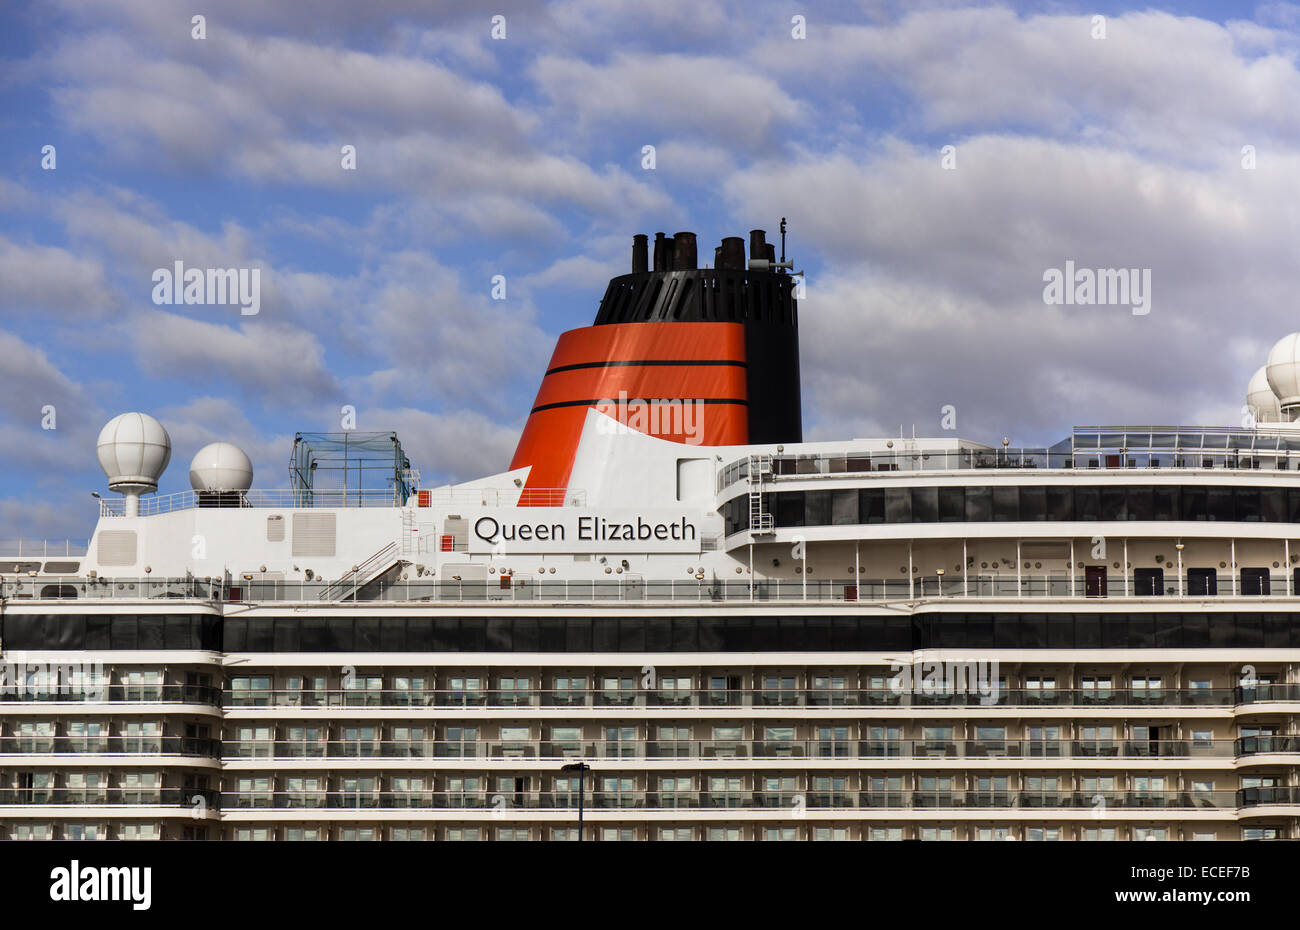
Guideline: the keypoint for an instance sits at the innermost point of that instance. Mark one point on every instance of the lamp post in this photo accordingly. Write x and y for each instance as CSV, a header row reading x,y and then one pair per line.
x,y
581,768
1179,547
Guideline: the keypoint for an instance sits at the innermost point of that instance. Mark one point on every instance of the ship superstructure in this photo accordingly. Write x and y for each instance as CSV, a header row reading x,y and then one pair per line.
x,y
671,604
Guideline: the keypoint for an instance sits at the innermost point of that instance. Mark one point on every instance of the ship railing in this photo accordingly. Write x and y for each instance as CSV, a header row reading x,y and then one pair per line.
x,y
602,798
569,699
163,797
256,588
854,464
32,549
109,745
43,692
853,749
297,498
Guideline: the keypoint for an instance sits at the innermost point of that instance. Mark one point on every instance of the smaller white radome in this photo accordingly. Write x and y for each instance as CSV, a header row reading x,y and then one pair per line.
x,y
133,450
221,466
1283,370
1261,399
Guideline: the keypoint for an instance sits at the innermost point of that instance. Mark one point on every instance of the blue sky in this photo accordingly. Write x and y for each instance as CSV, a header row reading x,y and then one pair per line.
x,y
522,157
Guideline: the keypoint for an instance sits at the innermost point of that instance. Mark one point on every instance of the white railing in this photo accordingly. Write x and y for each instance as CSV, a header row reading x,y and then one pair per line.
x,y
41,548
283,498
634,590
361,574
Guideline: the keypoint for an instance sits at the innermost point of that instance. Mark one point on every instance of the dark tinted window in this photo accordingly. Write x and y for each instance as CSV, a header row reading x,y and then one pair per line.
x,y
979,505
898,505
1273,505
1219,503
871,505
1060,502
1114,503
844,507
1087,503
1006,504
951,630
1141,503
817,508
1195,503
925,505
1033,503
952,505
1247,504
1164,502
789,509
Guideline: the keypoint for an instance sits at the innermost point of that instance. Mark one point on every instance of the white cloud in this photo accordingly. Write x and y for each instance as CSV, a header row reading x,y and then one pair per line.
x,y
271,362
52,281
705,97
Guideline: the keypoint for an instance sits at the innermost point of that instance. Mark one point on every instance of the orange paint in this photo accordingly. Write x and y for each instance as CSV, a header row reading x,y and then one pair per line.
x,y
712,357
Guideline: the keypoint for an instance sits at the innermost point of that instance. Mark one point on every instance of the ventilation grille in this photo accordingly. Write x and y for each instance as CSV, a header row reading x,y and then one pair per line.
x,y
61,568
275,528
313,534
708,544
117,547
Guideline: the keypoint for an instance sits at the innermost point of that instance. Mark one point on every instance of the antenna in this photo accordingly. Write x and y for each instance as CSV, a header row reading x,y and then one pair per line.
x,y
783,239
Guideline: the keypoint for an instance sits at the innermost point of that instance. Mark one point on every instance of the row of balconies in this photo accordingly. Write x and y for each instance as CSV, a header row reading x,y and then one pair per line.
x,y
848,800
184,797
156,745
759,749
786,697
143,694
652,749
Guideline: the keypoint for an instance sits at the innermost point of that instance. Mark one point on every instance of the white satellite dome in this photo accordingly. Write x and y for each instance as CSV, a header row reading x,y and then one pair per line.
x,y
133,450
220,466
1283,370
1262,400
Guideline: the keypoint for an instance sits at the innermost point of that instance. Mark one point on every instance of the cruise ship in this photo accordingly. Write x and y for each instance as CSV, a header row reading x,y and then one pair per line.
x,y
671,618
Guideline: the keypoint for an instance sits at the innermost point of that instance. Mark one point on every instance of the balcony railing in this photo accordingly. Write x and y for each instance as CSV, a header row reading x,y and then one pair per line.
x,y
846,590
758,698
829,748
749,799
114,694
1234,451
1252,745
110,745
287,498
178,797
1252,797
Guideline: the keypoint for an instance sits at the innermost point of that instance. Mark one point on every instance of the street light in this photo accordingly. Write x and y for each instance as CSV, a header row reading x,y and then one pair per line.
x,y
1179,547
582,769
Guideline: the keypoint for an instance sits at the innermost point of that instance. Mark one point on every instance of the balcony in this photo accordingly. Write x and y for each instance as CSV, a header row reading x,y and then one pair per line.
x,y
113,694
182,798
1253,745
762,698
1254,797
961,751
110,745
1134,802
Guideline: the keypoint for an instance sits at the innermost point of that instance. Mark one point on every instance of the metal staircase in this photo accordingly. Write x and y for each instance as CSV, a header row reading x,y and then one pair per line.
x,y
760,521
362,574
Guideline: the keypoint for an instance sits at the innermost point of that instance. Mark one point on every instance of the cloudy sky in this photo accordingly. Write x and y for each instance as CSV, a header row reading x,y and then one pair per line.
x,y
522,156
